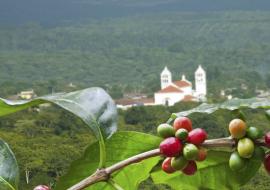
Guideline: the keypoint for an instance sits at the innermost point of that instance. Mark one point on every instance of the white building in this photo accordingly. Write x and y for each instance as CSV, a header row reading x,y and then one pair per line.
x,y
27,95
200,84
181,90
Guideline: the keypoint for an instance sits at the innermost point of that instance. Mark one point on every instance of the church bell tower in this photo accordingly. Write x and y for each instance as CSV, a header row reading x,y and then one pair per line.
x,y
200,83
165,78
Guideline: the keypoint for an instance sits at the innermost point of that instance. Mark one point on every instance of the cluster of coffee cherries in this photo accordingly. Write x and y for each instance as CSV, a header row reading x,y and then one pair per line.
x,y
245,144
181,146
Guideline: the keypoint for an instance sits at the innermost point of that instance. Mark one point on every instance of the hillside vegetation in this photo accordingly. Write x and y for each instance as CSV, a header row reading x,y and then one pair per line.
x,y
123,47
48,141
129,52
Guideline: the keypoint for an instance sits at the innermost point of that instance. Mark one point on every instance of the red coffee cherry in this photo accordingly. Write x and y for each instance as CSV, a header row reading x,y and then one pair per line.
x,y
166,166
202,154
267,163
171,147
42,187
182,122
267,139
237,128
191,168
197,136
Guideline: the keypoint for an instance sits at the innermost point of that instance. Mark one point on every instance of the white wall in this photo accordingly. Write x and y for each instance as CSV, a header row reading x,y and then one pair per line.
x,y
187,90
160,98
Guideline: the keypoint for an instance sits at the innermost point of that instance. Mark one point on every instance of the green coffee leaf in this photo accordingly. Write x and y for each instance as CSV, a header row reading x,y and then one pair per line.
x,y
93,105
233,104
120,146
9,171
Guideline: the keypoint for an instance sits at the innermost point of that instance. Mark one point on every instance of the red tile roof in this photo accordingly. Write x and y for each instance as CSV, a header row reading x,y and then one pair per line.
x,y
181,83
128,101
170,89
147,100
188,98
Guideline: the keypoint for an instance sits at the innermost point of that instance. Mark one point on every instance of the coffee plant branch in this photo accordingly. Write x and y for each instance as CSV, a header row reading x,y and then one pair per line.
x,y
103,174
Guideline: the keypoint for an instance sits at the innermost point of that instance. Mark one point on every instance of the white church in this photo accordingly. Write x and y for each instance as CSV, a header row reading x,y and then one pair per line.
x,y
181,90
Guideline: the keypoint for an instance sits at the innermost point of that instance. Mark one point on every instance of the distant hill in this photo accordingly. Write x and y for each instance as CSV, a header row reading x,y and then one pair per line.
x,y
130,52
54,12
